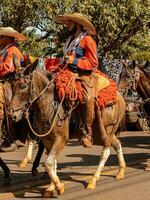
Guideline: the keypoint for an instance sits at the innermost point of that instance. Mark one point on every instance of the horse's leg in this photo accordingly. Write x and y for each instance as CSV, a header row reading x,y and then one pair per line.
x,y
6,171
37,158
50,190
122,165
147,167
103,158
28,156
50,167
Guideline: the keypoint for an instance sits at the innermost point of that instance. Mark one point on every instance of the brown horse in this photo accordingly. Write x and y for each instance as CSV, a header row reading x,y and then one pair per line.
x,y
142,85
34,93
4,167
137,79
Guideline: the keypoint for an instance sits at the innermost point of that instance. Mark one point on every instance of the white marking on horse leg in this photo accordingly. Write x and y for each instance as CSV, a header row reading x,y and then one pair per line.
x,y
49,166
28,156
30,150
122,165
103,158
55,167
52,186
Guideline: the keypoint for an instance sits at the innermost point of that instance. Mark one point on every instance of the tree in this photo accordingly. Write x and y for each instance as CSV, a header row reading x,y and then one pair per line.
x,y
116,21
138,47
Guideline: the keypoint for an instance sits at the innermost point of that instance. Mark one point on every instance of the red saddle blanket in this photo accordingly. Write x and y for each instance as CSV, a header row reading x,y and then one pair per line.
x,y
64,86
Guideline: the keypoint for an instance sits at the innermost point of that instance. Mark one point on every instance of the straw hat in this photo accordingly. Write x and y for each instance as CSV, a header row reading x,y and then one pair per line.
x,y
8,31
78,18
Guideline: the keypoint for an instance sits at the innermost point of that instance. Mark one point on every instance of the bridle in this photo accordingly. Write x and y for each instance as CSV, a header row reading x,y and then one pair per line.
x,y
28,104
25,108
130,80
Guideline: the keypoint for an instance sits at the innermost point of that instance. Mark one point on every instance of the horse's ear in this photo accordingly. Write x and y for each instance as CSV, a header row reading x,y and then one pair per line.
x,y
125,64
30,68
134,64
146,65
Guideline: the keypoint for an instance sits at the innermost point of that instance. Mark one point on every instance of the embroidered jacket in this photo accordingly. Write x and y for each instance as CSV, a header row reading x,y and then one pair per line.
x,y
6,59
85,54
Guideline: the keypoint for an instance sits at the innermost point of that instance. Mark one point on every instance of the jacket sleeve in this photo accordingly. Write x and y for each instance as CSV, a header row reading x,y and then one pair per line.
x,y
6,62
90,58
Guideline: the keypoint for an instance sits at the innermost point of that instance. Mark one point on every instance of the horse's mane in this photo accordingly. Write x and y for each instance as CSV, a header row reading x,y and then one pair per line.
x,y
45,75
145,71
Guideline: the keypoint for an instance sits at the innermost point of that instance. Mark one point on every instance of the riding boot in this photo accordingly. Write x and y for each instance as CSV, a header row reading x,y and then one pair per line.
x,y
87,111
87,115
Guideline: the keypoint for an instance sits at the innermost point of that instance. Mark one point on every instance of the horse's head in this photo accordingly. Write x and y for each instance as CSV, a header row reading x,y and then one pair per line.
x,y
22,86
126,78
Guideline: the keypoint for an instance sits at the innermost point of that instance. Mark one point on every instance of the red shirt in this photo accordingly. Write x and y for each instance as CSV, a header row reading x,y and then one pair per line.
x,y
6,59
85,55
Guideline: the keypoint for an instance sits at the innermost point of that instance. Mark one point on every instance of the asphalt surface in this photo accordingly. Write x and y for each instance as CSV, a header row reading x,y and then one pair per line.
x,y
75,168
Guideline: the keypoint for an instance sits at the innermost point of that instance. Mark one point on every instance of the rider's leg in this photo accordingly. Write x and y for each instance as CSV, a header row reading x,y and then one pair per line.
x,y
87,116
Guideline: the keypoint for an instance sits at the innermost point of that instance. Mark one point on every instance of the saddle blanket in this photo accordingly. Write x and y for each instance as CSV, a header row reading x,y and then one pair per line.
x,y
72,86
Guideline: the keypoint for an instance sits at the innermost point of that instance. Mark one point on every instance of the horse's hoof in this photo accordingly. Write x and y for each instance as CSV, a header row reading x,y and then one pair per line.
x,y
60,189
35,172
22,165
48,193
120,176
91,185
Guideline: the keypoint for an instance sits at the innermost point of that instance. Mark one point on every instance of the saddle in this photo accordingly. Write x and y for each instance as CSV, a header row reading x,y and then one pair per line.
x,y
94,82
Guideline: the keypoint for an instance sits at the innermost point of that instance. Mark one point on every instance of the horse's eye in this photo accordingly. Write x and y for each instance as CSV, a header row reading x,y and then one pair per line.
x,y
22,86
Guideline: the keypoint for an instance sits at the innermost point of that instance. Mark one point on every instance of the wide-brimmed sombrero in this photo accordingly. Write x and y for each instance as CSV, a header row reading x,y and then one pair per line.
x,y
8,31
78,18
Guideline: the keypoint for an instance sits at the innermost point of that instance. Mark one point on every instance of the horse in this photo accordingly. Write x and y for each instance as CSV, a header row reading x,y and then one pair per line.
x,y
137,79
35,97
7,94
142,85
14,132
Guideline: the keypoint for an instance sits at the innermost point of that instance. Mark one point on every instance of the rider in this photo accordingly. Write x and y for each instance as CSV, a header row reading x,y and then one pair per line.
x,y
80,54
10,58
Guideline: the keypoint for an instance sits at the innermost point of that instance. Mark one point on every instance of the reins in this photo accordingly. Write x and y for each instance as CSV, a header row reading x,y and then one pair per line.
x,y
25,108
52,124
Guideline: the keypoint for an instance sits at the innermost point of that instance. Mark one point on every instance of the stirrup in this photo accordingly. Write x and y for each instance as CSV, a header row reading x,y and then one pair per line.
x,y
87,141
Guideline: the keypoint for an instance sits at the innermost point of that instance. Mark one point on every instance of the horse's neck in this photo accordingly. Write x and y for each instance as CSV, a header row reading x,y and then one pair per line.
x,y
40,81
44,105
143,88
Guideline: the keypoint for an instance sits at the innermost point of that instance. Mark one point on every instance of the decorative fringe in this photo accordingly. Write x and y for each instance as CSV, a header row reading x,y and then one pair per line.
x,y
108,94
64,84
72,90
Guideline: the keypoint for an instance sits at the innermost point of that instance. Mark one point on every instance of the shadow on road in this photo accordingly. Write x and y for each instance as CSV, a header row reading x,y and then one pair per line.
x,y
136,141
84,161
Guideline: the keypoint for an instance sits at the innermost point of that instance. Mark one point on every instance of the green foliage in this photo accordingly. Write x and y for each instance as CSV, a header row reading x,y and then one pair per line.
x,y
117,22
137,47
141,56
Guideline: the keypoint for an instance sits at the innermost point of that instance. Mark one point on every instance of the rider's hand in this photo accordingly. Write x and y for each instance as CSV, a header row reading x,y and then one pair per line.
x,y
69,59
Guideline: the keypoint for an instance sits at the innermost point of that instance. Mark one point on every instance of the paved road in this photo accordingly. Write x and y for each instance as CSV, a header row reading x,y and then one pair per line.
x,y
76,166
